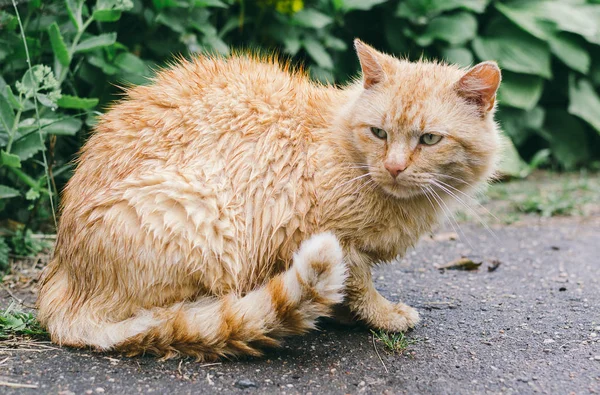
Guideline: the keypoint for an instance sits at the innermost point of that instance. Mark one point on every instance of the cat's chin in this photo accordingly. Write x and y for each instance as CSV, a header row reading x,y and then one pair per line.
x,y
402,191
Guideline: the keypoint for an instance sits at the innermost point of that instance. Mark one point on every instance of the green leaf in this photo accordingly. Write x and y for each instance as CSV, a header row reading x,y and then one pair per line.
x,y
460,56
542,18
74,9
515,50
9,160
101,63
571,52
74,102
567,137
584,102
455,29
7,192
520,124
335,43
362,5
47,100
10,96
527,19
511,163
420,11
121,5
216,43
292,45
27,146
107,15
209,3
4,261
63,127
318,53
311,18
7,116
8,21
94,42
520,90
58,45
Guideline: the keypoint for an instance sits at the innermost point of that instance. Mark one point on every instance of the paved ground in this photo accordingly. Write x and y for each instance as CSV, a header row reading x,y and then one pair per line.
x,y
530,326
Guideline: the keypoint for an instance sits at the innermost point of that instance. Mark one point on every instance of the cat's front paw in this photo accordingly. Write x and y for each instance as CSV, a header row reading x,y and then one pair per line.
x,y
398,318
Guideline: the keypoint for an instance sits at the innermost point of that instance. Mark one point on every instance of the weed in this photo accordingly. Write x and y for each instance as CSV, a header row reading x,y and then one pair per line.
x,y
394,342
24,243
19,323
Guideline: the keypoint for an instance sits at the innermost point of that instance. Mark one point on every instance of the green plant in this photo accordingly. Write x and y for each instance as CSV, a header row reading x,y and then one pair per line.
x,y
394,342
18,323
4,251
63,61
23,243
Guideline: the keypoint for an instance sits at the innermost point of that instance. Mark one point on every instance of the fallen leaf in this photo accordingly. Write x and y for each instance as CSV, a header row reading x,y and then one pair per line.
x,y
461,264
445,236
495,264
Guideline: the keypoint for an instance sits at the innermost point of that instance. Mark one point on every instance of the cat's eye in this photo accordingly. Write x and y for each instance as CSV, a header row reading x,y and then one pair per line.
x,y
379,133
430,139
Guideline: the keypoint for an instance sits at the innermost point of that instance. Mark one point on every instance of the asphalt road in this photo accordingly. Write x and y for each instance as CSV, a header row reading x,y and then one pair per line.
x,y
530,326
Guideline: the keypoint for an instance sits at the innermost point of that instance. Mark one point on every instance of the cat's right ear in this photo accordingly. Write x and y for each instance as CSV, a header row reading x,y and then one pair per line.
x,y
369,58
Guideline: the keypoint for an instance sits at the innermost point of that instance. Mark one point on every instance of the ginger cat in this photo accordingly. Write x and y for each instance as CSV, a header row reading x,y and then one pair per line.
x,y
233,201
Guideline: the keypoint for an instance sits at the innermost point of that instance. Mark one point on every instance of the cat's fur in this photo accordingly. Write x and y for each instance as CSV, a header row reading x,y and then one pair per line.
x,y
233,201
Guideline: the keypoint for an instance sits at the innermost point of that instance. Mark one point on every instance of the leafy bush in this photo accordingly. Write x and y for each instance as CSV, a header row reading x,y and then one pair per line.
x,y
77,54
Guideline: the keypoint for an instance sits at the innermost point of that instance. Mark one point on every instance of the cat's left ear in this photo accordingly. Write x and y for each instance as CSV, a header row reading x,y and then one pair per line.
x,y
369,63
479,85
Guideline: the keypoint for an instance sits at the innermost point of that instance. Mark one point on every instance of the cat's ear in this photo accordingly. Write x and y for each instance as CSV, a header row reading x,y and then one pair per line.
x,y
479,85
370,64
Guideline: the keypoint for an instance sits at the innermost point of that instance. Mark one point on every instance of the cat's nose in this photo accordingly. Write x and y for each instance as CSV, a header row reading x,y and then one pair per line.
x,y
395,168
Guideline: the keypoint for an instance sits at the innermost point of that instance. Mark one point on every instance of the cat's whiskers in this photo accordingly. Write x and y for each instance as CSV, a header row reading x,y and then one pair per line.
x,y
428,191
370,183
449,214
443,186
471,198
454,178
354,179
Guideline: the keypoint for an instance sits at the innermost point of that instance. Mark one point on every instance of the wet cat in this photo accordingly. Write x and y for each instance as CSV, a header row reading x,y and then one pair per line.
x,y
233,201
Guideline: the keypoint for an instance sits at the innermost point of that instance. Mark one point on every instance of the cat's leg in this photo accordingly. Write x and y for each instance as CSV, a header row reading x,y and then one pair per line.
x,y
367,303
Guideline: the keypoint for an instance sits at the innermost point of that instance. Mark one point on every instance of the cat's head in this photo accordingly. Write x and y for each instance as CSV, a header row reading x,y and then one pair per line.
x,y
415,125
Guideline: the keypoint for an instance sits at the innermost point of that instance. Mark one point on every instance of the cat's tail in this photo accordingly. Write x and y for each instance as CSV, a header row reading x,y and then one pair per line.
x,y
210,328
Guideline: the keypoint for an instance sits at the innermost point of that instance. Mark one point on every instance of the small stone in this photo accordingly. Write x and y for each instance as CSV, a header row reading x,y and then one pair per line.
x,y
89,392
549,341
597,358
99,390
523,379
244,383
290,385
362,384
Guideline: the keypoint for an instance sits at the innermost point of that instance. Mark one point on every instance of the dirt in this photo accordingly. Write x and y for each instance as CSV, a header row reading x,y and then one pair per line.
x,y
531,325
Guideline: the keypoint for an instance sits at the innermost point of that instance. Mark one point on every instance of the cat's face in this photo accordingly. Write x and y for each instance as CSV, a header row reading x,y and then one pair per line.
x,y
424,125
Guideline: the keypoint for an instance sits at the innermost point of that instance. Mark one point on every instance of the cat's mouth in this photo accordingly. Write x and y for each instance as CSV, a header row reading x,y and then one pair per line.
x,y
407,187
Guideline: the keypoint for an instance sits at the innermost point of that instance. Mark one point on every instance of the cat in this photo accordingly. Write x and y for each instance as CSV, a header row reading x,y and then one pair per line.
x,y
233,201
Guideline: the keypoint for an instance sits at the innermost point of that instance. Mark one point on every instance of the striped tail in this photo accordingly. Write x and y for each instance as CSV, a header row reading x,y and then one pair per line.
x,y
211,328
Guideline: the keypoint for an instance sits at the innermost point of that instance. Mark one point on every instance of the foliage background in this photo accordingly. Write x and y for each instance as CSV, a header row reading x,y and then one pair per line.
x,y
81,51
